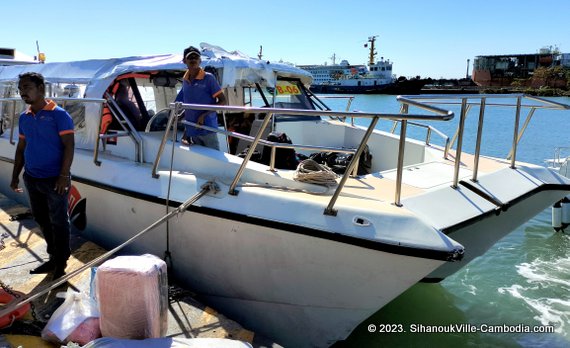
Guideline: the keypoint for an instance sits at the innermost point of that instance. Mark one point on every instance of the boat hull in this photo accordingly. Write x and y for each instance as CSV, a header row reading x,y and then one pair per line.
x,y
481,235
344,89
405,86
479,214
274,281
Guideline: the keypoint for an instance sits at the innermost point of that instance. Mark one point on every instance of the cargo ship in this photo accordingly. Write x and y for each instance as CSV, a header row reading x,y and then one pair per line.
x,y
347,78
374,78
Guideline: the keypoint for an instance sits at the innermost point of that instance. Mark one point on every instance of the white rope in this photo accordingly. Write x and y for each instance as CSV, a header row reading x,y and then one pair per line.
x,y
310,171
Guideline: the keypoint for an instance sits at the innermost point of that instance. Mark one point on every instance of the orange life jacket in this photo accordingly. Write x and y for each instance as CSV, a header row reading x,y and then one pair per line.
x,y
106,119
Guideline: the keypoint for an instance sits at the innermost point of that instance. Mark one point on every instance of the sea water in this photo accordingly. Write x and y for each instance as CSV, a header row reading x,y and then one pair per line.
x,y
522,283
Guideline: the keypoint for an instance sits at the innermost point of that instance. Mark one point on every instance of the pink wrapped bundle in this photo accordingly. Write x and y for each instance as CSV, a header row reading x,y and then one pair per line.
x,y
86,332
76,320
132,292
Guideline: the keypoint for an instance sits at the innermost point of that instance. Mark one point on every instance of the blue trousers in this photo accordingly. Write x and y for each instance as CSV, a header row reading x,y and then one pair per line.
x,y
208,140
49,209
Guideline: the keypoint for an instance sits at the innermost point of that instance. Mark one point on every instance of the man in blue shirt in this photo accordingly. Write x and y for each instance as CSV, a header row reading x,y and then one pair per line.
x,y
45,151
200,87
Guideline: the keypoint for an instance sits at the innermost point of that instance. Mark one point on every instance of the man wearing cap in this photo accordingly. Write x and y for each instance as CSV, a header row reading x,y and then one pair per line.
x,y
45,152
200,87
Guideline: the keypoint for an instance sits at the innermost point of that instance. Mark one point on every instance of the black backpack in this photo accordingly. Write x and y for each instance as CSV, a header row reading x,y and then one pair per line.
x,y
284,158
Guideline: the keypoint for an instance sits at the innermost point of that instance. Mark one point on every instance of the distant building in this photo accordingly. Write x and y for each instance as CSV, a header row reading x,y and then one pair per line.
x,y
502,70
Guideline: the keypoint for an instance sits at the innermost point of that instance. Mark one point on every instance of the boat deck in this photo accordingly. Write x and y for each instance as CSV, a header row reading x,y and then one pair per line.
x,y
416,179
22,248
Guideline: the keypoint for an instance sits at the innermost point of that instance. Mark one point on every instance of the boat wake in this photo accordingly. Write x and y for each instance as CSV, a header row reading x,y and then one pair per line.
x,y
547,283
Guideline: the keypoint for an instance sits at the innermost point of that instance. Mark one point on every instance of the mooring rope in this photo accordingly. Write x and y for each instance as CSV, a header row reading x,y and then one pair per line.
x,y
207,187
167,254
312,172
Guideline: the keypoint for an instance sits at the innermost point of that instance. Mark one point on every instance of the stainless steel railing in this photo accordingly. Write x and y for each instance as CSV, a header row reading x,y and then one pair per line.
x,y
248,138
430,103
429,132
128,129
481,100
349,99
438,114
61,101
561,154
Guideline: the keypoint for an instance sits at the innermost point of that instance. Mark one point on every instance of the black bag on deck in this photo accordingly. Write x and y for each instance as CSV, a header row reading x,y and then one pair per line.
x,y
338,161
284,158
256,156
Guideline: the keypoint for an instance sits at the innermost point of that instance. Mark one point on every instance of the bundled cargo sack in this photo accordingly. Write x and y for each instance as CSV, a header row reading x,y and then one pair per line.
x,y
338,161
132,292
284,158
76,320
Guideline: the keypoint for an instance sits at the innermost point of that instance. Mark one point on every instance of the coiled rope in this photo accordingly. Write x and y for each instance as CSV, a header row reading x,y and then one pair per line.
x,y
312,172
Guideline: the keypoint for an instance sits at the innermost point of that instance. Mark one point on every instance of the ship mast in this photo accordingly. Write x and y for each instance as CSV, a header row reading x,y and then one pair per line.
x,y
371,39
333,58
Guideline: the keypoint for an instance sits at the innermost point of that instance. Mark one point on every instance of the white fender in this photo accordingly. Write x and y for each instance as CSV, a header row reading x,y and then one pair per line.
x,y
557,216
565,205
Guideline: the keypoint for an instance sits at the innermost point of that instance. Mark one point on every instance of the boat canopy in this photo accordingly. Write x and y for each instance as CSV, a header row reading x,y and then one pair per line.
x,y
97,74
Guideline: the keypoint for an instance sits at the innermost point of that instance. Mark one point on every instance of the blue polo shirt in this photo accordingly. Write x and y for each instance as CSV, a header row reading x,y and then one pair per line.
x,y
201,90
42,131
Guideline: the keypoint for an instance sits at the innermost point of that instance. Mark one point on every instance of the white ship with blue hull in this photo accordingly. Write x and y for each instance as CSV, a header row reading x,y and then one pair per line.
x,y
355,79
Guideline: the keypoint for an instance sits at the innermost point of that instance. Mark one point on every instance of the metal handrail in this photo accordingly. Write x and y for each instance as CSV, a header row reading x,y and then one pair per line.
x,y
10,118
12,123
442,99
352,166
523,129
458,152
241,169
430,129
245,137
401,150
172,119
482,102
59,100
468,107
438,115
348,103
556,160
554,104
516,132
479,138
130,129
273,145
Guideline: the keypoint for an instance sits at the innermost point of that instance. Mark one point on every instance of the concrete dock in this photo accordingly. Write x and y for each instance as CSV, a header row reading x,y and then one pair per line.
x,y
23,248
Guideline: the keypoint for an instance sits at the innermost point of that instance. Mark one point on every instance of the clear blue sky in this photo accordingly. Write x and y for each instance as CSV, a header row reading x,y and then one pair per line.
x,y
431,38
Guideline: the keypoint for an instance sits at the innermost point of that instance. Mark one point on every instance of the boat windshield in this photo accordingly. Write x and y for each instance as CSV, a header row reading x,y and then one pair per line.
x,y
287,94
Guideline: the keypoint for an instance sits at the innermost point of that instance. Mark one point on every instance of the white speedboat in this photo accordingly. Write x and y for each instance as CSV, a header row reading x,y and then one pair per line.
x,y
296,261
